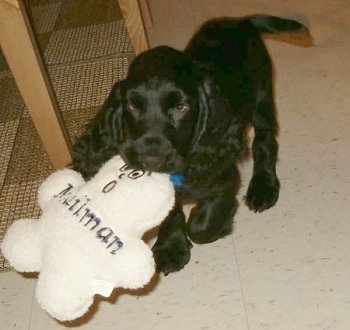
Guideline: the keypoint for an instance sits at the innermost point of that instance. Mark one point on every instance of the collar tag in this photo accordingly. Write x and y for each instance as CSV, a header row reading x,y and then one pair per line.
x,y
177,180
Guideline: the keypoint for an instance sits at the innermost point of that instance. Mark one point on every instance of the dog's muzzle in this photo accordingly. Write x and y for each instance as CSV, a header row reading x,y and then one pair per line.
x,y
151,153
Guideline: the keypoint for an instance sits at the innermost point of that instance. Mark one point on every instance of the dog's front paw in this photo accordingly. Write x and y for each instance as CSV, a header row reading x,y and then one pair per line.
x,y
262,192
172,255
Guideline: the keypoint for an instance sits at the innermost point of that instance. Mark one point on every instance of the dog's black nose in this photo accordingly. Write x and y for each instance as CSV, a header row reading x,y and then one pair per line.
x,y
152,141
151,162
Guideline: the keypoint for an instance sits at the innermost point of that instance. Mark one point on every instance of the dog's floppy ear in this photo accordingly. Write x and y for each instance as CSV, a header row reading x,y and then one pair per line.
x,y
204,106
214,111
110,118
103,136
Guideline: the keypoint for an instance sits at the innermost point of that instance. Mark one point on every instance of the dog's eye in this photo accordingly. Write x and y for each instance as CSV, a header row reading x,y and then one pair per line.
x,y
182,107
132,107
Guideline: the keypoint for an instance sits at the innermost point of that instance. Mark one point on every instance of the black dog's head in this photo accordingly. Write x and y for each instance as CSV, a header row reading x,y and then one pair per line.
x,y
156,117
162,106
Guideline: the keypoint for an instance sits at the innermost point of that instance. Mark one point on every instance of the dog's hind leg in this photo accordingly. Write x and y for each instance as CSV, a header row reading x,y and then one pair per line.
x,y
264,186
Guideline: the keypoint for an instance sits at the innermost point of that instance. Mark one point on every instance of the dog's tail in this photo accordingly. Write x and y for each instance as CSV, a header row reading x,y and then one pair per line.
x,y
276,25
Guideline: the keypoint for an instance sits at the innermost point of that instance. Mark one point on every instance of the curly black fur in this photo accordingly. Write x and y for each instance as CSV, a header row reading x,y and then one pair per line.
x,y
187,112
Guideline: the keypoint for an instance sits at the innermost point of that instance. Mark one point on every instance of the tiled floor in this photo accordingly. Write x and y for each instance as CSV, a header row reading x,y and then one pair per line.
x,y
287,268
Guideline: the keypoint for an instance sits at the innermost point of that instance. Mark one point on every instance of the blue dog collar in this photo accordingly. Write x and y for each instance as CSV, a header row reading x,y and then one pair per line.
x,y
177,180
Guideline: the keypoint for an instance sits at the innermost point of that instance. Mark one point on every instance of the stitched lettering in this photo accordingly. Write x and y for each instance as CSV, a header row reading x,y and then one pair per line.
x,y
81,211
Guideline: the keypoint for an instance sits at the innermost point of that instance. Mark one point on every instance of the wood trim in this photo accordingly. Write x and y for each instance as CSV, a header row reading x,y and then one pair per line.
x,y
133,20
146,14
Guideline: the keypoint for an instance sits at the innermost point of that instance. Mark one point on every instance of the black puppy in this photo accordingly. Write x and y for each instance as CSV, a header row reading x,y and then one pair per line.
x,y
187,113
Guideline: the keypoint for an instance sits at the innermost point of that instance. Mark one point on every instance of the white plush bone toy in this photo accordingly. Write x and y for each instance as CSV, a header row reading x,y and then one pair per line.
x,y
88,239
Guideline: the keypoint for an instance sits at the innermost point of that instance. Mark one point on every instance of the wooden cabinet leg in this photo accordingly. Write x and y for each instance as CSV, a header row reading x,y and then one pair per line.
x,y
23,57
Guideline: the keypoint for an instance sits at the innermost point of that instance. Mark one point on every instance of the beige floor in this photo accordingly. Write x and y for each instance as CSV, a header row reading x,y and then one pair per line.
x,y
287,268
